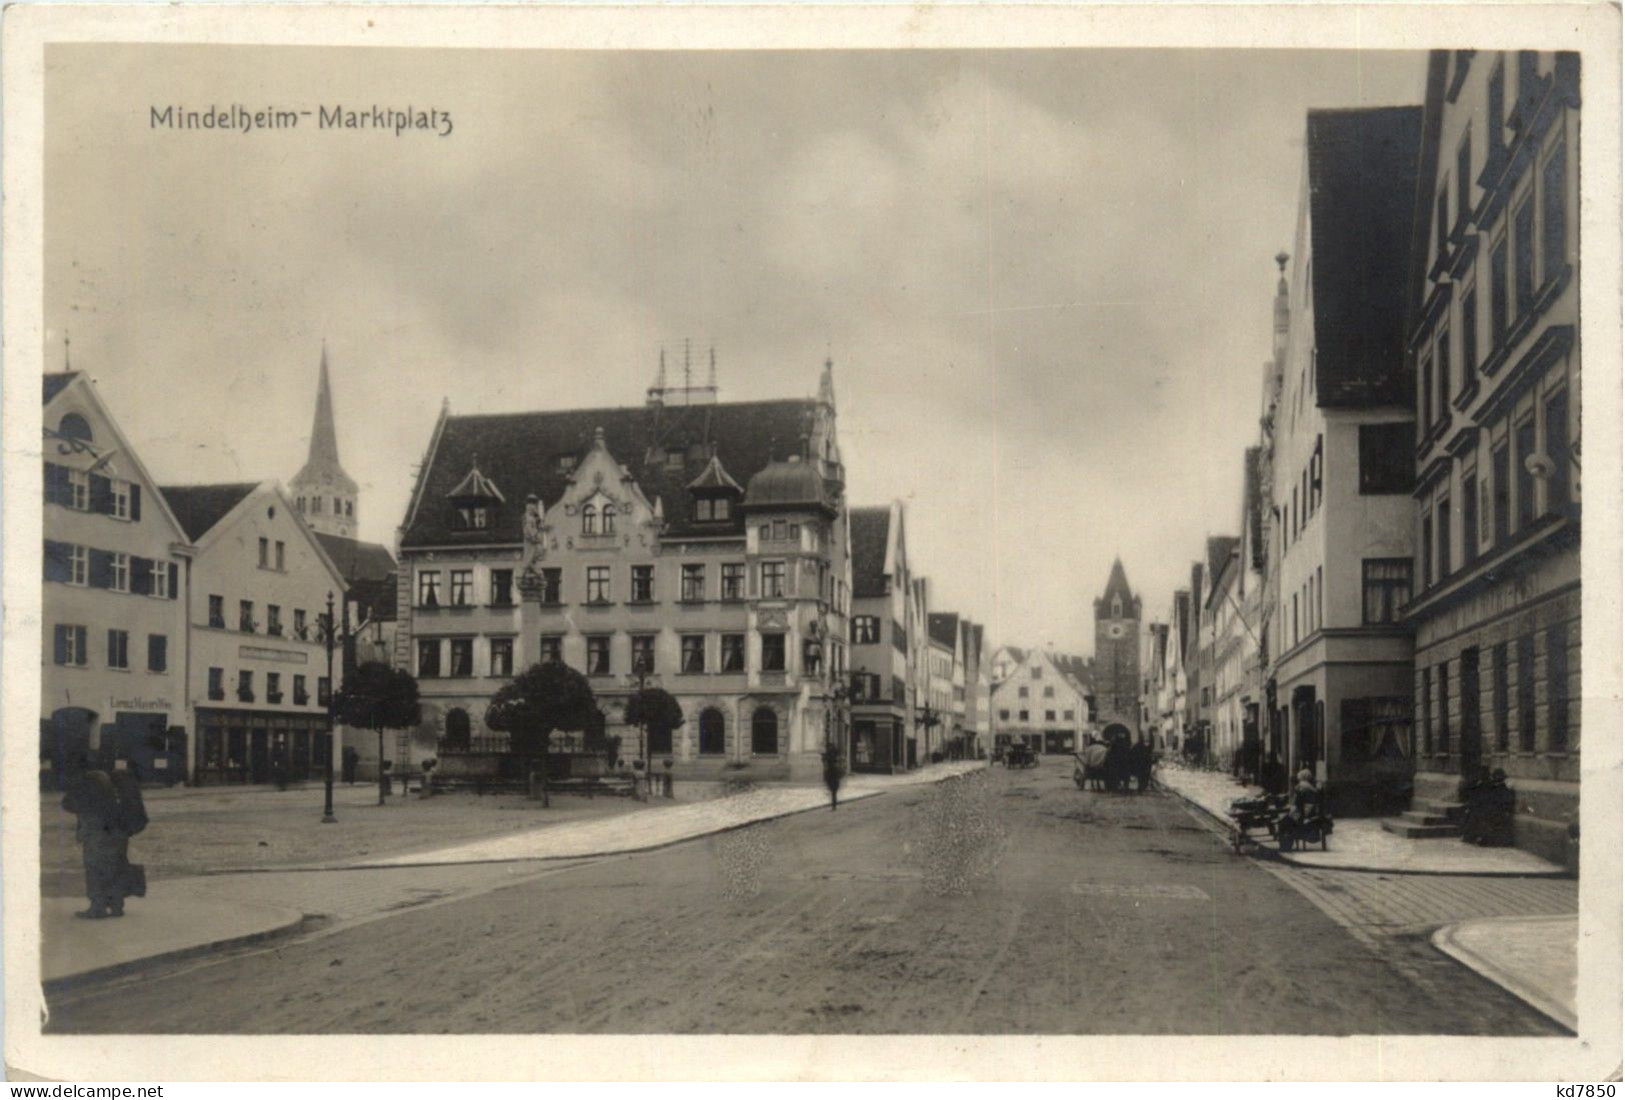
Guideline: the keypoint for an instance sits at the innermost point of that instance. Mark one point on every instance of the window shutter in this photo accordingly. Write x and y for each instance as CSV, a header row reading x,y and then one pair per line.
x,y
80,642
174,575
57,564
101,569
62,644
141,576
56,484
101,494
135,502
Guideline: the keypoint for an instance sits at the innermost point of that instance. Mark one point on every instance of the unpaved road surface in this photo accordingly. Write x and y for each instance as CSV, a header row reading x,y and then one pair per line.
x,y
1005,902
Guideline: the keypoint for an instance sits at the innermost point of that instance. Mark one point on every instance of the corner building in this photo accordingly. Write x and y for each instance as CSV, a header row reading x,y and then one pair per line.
x,y
691,544
1496,346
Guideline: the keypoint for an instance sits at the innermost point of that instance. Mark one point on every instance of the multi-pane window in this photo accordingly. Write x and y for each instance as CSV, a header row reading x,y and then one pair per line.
x,y
79,489
265,553
1553,214
501,657
79,566
764,732
462,587
70,645
711,509
245,616
324,691
773,652
1427,550
1469,336
1501,471
1526,693
429,588
273,619
733,580
1498,293
772,579
119,498
1441,363
597,584
1427,392
1557,448
245,686
1049,715
643,583
462,657
733,653
217,612
606,520
273,687
1502,698
502,588
693,652
119,572
643,653
160,581
1523,256
281,555
865,629
118,649
551,649
693,583
1469,517
1557,688
552,585
428,658
713,738
1524,438
598,655
217,683
301,690
1444,537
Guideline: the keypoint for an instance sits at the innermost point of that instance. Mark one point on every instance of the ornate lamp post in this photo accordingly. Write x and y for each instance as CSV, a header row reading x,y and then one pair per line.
x,y
329,636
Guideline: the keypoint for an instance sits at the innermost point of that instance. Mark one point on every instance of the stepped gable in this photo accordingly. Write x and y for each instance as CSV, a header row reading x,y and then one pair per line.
x,y
535,452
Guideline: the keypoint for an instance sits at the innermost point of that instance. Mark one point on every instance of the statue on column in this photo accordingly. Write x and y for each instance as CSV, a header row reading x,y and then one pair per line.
x,y
534,546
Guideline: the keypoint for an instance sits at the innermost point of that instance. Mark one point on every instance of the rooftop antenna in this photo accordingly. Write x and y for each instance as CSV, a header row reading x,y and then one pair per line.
x,y
67,360
711,378
688,380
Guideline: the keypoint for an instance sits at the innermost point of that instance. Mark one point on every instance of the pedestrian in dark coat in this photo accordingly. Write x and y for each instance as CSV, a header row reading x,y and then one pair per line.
x,y
102,833
1139,764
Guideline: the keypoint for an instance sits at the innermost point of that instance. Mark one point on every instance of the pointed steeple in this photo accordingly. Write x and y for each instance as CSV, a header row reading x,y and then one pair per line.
x,y
826,384
1118,600
326,491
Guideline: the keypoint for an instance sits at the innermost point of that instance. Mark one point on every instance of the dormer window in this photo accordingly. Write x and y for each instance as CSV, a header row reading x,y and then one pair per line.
x,y
565,463
474,501
711,509
473,517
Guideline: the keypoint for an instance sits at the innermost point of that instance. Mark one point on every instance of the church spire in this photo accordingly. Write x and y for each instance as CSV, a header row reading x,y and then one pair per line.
x,y
325,494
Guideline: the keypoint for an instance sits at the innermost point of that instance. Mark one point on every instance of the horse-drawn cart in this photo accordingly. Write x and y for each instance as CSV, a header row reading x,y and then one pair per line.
x,y
1292,826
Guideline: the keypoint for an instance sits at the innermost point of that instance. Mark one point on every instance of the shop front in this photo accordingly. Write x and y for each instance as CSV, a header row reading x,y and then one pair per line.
x,y
245,746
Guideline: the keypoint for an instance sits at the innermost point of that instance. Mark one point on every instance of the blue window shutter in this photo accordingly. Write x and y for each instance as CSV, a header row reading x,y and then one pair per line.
x,y
62,644
135,502
101,569
101,494
57,564
174,575
141,576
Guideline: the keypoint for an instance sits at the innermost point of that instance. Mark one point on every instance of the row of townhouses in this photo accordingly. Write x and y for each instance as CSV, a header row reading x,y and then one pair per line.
x,y
700,546
183,625
1401,608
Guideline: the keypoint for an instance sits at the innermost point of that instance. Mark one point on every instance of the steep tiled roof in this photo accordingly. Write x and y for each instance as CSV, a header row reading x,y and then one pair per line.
x,y
1075,667
1362,187
199,507
715,477
788,483
943,627
1117,586
55,382
871,531
521,453
357,560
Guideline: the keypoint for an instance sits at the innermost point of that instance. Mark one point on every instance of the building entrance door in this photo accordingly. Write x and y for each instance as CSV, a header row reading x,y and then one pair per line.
x,y
1472,732
259,756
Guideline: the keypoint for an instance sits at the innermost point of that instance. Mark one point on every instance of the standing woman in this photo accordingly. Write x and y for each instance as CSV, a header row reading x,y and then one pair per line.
x,y
101,832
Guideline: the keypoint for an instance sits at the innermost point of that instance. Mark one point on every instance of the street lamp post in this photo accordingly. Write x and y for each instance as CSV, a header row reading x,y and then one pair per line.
x,y
332,728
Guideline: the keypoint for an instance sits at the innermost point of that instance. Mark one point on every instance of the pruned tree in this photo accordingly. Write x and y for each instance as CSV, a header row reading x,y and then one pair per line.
x,y
537,702
378,697
654,711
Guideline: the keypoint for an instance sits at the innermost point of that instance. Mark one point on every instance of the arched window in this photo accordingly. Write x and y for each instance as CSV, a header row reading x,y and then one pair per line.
x,y
764,732
74,426
712,741
609,519
1117,607
589,520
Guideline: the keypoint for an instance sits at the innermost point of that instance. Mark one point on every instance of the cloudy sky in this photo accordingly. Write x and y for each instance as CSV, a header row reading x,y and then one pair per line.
x,y
1044,277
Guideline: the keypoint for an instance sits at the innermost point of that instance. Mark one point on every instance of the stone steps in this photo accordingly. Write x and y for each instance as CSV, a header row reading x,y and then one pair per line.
x,y
1427,817
1412,830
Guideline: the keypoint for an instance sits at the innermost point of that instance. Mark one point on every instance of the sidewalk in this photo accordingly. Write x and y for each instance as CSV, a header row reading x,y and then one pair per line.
x,y
1361,844
1532,957
187,916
